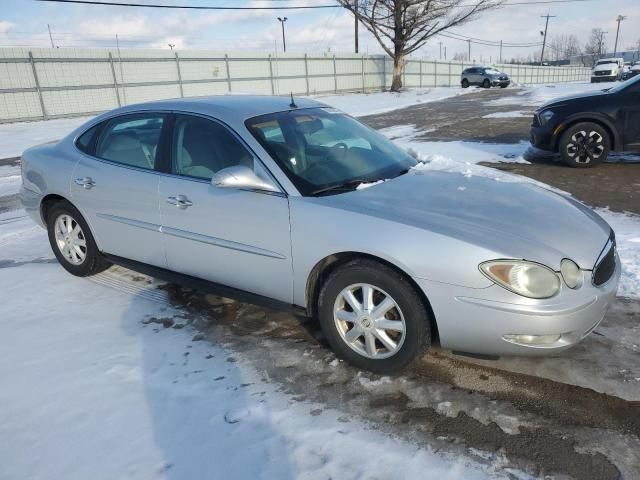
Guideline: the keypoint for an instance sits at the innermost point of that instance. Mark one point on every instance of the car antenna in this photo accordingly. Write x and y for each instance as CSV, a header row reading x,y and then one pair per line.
x,y
292,104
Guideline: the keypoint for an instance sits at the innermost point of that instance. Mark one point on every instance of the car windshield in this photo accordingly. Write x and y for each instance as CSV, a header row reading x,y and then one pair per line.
x,y
606,62
626,84
323,150
492,71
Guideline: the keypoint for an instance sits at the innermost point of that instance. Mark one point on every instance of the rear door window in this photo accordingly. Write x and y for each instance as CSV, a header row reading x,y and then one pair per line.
x,y
132,140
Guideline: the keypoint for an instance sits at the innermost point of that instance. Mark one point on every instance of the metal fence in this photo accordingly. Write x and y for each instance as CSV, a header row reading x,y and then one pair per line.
x,y
53,83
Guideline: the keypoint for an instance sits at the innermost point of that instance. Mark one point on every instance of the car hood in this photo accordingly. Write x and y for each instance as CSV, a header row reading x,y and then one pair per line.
x,y
606,66
570,98
514,220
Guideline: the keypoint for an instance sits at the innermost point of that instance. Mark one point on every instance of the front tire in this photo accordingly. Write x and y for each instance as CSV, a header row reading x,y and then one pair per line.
x,y
584,145
373,317
72,242
465,83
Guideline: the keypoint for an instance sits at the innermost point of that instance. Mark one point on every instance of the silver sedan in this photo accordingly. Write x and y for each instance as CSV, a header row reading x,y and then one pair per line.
x,y
257,198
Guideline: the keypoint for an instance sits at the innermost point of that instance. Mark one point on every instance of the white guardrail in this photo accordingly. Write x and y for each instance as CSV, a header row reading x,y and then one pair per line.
x,y
37,84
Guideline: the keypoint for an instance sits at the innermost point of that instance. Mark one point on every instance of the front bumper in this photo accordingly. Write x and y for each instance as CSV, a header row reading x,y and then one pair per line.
x,y
542,138
500,83
603,78
476,320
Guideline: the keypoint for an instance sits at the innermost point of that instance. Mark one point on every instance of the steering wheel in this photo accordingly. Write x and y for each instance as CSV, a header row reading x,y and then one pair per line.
x,y
343,147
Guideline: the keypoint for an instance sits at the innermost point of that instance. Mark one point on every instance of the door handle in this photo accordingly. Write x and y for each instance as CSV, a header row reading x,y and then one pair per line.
x,y
86,182
180,201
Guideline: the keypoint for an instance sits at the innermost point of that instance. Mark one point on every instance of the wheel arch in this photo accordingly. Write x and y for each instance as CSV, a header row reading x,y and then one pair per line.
x,y
593,118
330,263
47,202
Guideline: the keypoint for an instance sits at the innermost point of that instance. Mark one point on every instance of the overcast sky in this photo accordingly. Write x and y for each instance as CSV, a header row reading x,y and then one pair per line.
x,y
24,23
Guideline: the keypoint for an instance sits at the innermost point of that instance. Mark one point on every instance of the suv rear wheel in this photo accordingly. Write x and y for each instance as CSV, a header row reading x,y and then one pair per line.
x,y
373,317
584,145
486,83
465,83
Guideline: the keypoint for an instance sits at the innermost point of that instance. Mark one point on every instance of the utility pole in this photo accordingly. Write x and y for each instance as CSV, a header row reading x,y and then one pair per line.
x,y
355,26
619,19
284,41
544,42
440,50
500,61
50,36
469,45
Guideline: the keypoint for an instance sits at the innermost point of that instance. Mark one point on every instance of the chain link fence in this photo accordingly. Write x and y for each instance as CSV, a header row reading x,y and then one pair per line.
x,y
43,83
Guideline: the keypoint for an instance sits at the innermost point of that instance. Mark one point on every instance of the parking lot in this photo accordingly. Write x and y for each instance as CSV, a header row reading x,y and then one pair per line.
x,y
574,414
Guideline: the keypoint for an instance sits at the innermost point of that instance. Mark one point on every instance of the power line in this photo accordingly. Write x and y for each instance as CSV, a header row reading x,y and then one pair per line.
x,y
189,7
273,7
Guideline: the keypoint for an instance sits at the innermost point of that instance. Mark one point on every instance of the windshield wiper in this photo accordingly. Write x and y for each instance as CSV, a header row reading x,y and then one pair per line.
x,y
347,186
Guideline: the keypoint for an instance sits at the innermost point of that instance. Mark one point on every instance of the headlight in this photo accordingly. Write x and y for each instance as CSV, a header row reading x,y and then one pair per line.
x,y
524,278
571,273
545,116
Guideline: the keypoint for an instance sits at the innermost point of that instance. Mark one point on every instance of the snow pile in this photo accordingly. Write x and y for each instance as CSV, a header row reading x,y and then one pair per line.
x,y
360,104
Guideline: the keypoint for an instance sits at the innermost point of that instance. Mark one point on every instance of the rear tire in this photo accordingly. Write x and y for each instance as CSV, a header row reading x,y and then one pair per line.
x,y
385,330
486,83
72,242
584,145
465,83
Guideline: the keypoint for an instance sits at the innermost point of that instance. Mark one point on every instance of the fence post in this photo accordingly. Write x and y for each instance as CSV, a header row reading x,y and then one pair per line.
x,y
421,73
306,72
335,75
404,72
226,64
435,73
384,73
115,79
364,85
449,74
179,75
273,89
35,78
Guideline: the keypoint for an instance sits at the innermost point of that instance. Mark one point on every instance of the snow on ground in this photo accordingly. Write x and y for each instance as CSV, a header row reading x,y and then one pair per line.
x,y
536,95
15,138
515,114
95,393
10,180
359,104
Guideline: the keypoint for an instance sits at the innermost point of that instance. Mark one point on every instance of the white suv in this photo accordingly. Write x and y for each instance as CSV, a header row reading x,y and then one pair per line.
x,y
607,70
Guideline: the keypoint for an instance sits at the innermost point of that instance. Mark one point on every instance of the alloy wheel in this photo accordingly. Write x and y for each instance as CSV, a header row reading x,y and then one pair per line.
x,y
70,239
369,321
584,148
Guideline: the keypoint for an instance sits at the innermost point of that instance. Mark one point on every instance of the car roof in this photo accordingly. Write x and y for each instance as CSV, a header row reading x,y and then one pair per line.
x,y
236,106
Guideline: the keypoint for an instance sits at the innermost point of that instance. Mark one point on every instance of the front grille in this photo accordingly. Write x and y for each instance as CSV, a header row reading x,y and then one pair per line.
x,y
504,78
604,72
606,264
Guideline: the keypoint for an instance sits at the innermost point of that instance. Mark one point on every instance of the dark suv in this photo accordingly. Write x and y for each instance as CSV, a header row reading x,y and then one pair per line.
x,y
584,128
485,77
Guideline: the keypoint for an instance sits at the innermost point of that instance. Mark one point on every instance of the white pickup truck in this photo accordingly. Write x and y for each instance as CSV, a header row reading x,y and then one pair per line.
x,y
607,70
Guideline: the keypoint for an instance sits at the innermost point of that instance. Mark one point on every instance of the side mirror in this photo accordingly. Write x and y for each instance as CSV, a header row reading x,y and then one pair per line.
x,y
243,178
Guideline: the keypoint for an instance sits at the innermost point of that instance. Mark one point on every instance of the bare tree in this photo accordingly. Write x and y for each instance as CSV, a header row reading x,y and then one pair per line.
x,y
403,26
564,46
595,45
